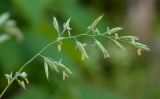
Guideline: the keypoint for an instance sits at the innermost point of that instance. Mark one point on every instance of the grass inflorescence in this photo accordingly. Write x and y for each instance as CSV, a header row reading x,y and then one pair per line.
x,y
92,31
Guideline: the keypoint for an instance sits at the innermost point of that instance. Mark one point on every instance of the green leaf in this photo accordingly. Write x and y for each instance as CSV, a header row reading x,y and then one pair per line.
x,y
141,46
9,77
55,23
57,66
93,25
113,30
52,65
46,68
104,51
82,49
128,38
66,25
64,68
116,29
65,75
119,45
21,83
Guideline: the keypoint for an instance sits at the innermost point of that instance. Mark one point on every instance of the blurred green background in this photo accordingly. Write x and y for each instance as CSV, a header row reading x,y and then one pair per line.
x,y
123,76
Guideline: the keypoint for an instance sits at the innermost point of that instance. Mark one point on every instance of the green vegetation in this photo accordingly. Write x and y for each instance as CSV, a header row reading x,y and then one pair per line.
x,y
57,49
57,65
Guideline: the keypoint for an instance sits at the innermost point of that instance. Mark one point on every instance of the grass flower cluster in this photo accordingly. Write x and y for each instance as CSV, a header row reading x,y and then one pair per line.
x,y
57,66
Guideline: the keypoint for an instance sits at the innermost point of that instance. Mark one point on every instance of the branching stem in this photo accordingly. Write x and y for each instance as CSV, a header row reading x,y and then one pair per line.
x,y
95,33
41,51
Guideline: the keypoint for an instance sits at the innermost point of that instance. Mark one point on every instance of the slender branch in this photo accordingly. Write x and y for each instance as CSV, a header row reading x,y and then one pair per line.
x,y
5,89
95,33
44,48
35,56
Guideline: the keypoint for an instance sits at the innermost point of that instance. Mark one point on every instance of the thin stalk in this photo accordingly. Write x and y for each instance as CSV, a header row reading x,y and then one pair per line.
x,y
35,56
41,51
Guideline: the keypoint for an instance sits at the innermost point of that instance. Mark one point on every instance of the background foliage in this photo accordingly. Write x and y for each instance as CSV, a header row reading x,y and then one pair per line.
x,y
124,75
